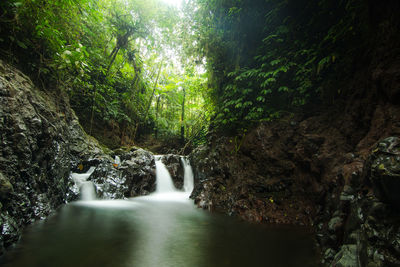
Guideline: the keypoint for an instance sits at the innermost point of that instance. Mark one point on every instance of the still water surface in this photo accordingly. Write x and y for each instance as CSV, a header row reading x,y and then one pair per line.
x,y
146,232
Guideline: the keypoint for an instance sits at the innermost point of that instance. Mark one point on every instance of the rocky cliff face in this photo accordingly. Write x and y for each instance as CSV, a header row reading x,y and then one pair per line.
x,y
333,169
41,143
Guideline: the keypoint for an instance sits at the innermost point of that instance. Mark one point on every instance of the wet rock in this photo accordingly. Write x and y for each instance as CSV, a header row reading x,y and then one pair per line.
x,y
108,181
384,171
352,172
347,193
328,255
41,143
251,183
42,207
139,170
346,257
327,157
368,234
5,187
335,224
378,210
374,264
175,168
10,230
134,176
353,237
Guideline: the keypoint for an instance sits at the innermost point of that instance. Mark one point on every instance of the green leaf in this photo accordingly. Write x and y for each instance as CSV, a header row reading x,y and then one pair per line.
x,y
231,74
267,82
270,37
21,44
283,89
275,62
247,91
238,105
247,103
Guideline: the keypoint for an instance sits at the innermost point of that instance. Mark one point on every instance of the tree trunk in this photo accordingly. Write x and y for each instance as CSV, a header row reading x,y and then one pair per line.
x,y
93,103
113,55
183,117
157,109
149,104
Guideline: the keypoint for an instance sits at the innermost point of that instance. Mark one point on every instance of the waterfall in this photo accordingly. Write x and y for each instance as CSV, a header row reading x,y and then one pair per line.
x,y
188,180
165,189
163,178
86,188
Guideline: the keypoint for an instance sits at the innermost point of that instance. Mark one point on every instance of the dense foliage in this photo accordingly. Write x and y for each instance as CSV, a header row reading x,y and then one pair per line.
x,y
133,68
270,57
118,61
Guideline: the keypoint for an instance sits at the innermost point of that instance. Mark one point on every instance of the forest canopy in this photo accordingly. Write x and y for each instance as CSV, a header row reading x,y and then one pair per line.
x,y
121,63
269,58
137,68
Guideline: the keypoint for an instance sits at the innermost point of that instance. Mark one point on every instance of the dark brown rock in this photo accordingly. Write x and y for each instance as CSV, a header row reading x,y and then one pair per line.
x,y
384,170
175,168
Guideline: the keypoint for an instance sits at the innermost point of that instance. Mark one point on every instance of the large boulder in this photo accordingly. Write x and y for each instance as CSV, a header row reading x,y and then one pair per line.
x,y
175,168
384,170
138,167
133,176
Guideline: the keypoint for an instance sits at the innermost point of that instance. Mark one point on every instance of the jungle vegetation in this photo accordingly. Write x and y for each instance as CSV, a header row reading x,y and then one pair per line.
x,y
146,68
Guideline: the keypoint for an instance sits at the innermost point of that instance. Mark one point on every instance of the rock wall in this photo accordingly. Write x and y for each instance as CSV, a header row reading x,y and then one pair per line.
x,y
307,173
326,168
40,138
41,144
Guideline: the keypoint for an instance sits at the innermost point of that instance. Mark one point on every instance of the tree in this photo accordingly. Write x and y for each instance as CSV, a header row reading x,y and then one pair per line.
x,y
105,55
183,117
267,58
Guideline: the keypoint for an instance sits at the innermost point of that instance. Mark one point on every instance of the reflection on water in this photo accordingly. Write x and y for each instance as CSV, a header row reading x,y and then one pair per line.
x,y
150,233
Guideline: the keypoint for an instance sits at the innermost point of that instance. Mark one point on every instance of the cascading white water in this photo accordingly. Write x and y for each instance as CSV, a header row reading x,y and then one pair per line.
x,y
162,229
163,178
86,188
87,191
165,189
188,180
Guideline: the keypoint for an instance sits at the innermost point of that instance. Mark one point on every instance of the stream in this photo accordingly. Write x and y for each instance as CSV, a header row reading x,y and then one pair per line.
x,y
163,229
